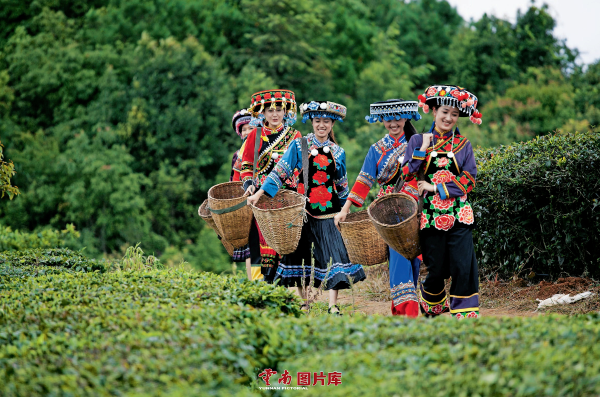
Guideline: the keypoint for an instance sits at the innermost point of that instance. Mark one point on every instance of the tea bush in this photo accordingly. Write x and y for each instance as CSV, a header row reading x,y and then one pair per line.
x,y
48,238
176,333
537,206
46,259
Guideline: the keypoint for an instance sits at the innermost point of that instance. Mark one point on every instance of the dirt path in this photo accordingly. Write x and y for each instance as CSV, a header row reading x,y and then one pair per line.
x,y
498,299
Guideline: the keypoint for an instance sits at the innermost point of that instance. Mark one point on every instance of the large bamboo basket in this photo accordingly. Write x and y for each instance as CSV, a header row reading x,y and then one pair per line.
x,y
206,216
395,218
365,246
280,220
233,223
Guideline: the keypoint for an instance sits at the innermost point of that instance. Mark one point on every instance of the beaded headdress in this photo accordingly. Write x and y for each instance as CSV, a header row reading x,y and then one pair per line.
x,y
270,99
393,109
327,109
240,118
451,95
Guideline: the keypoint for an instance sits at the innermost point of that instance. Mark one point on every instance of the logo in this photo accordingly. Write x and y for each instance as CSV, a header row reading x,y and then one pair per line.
x,y
303,379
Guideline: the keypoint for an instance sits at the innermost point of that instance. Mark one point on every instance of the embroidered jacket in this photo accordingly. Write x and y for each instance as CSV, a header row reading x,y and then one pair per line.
x,y
382,165
454,177
273,141
327,179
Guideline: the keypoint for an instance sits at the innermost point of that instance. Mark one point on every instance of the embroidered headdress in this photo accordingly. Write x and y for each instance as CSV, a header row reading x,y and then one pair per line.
x,y
451,95
393,109
240,118
331,110
270,99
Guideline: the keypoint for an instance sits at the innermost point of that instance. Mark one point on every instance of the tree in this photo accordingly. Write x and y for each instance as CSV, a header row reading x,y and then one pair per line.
x,y
7,170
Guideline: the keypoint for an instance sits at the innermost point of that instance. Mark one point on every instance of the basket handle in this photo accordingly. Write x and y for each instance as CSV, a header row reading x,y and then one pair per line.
x,y
227,210
304,144
400,183
257,139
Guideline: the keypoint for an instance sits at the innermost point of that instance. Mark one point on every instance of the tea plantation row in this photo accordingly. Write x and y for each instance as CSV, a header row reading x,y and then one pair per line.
x,y
169,332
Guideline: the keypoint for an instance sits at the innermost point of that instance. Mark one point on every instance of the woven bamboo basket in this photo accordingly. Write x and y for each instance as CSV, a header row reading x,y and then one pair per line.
x,y
365,246
395,218
232,217
280,220
206,216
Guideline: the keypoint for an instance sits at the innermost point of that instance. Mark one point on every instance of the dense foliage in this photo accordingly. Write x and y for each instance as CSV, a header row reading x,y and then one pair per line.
x,y
117,113
537,205
170,332
47,238
7,171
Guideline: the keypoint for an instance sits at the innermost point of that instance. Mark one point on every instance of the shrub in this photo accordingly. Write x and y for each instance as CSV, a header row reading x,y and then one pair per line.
x,y
47,238
168,332
536,203
59,258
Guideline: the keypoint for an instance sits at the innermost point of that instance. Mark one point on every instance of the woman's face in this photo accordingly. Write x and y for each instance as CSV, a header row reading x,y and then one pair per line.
x,y
274,116
322,127
246,128
395,127
446,117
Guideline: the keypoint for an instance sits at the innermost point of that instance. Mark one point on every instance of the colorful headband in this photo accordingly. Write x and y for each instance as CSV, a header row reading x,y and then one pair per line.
x,y
393,109
240,118
450,95
330,110
262,99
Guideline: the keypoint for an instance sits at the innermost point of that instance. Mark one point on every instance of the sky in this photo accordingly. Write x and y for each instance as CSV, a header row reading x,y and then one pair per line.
x,y
577,20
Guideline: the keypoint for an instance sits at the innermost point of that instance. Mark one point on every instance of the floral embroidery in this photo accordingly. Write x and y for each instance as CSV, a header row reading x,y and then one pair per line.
x,y
321,161
388,189
300,188
442,176
460,316
433,310
320,177
431,91
443,162
424,220
444,222
440,204
320,197
463,198
465,215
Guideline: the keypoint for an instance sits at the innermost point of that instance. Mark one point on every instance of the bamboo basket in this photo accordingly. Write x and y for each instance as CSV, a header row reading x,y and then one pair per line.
x,y
395,218
206,216
365,246
232,216
280,220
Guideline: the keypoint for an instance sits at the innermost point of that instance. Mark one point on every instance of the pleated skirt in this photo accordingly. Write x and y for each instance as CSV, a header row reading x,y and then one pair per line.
x,y
321,251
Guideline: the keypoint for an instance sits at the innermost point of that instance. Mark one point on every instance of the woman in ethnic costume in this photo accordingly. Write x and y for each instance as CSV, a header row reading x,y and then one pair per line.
x,y
250,254
383,165
277,109
327,191
446,157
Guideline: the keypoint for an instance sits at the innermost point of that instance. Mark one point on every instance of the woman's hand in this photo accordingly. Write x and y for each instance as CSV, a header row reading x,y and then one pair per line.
x,y
340,217
425,186
252,200
427,138
251,189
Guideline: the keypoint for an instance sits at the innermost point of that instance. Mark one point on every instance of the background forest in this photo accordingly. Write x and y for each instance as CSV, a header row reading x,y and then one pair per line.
x,y
117,114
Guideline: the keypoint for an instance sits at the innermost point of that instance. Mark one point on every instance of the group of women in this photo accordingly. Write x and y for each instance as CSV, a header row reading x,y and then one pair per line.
x,y
438,166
